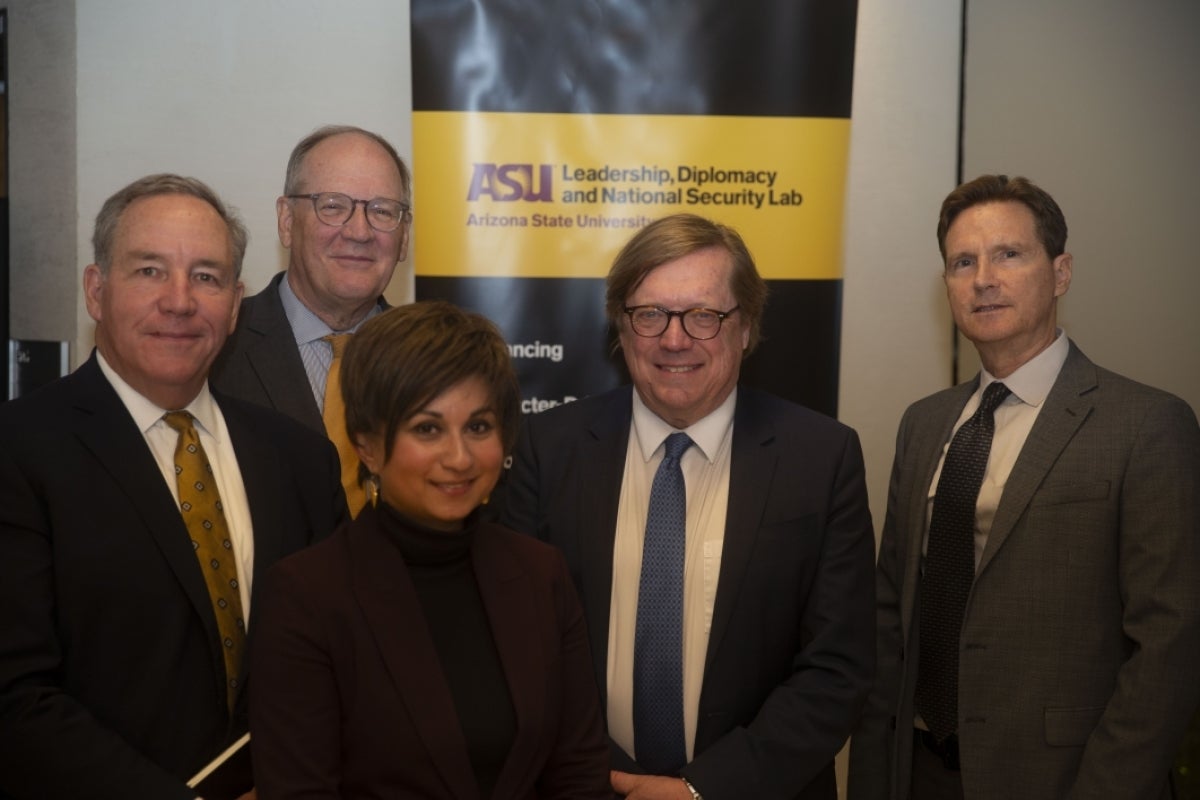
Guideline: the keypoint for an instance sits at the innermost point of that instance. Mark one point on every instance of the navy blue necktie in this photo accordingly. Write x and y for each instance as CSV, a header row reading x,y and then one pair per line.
x,y
950,565
658,647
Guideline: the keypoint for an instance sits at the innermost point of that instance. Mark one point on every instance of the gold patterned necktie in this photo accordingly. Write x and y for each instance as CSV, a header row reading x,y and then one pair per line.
x,y
334,415
200,504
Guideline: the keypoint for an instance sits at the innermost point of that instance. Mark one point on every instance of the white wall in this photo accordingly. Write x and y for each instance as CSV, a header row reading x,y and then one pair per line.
x,y
1099,102
223,90
896,329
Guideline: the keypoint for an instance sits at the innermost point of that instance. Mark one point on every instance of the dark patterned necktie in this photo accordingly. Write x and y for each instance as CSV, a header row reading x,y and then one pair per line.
x,y
658,646
950,565
200,504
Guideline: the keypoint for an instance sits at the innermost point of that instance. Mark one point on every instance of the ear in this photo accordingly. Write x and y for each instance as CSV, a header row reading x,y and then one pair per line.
x,y
238,292
93,289
369,447
1063,266
283,214
402,253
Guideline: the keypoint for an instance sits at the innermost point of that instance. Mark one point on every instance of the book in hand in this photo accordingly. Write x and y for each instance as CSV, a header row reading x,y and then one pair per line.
x,y
228,776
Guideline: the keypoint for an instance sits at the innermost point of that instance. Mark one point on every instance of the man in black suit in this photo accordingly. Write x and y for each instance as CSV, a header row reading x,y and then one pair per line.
x,y
772,571
114,681
339,263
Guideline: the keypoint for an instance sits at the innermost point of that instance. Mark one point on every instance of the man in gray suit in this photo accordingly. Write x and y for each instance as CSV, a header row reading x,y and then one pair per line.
x,y
1068,667
339,263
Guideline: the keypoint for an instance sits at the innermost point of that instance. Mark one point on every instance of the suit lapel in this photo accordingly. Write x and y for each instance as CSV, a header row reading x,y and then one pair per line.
x,y
1065,409
106,429
389,602
751,467
513,615
928,442
601,470
262,477
270,347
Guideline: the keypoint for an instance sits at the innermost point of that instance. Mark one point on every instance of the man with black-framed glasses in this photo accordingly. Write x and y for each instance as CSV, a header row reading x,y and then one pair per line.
x,y
344,217
719,537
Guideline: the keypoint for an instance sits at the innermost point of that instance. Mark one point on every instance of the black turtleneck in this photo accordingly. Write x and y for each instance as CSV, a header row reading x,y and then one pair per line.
x,y
440,566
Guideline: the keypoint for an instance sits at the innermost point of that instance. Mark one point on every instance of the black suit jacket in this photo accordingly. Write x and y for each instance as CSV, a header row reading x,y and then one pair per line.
x,y
790,653
261,364
351,700
111,682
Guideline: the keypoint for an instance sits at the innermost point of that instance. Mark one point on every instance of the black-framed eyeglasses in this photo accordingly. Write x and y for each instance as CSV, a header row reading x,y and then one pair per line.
x,y
336,209
698,323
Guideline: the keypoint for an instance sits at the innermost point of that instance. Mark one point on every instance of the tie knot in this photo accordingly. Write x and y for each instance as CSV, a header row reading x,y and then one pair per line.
x,y
677,444
993,396
338,342
181,421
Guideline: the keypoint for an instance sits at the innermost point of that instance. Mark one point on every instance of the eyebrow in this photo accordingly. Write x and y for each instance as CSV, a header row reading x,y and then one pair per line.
x,y
153,255
488,409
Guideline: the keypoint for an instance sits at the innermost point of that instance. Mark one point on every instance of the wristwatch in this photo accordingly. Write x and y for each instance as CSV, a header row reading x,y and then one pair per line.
x,y
695,795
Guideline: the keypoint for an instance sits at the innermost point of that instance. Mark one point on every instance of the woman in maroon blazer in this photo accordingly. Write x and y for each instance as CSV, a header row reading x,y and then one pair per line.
x,y
420,651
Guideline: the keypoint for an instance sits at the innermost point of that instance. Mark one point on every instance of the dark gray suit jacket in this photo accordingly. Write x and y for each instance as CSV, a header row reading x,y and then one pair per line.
x,y
790,651
111,680
1081,637
261,364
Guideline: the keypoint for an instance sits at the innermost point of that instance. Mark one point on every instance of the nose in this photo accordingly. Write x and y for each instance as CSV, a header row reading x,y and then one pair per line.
x,y
177,296
457,455
675,337
357,227
985,274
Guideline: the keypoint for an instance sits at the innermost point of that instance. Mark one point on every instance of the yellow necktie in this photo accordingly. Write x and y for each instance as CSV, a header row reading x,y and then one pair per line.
x,y
334,415
200,504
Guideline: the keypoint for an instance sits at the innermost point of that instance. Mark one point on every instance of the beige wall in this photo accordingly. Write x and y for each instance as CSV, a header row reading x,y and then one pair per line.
x,y
1099,102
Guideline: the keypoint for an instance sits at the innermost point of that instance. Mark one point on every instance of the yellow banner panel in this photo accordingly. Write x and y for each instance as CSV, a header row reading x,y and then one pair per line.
x,y
525,195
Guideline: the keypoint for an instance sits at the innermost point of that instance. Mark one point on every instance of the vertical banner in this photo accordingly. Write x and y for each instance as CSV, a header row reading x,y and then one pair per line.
x,y
546,134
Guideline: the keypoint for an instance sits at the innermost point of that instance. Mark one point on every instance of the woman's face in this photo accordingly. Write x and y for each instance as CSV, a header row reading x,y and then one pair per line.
x,y
446,458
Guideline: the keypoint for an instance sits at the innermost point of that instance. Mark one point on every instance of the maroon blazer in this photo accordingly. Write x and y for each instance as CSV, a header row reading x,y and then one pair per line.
x,y
349,699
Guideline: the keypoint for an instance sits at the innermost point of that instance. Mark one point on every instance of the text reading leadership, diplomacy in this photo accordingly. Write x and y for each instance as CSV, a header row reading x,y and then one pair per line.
x,y
641,185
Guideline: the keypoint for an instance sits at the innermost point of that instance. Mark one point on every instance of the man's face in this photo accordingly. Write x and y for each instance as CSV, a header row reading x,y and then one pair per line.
x,y
339,272
679,378
168,300
1002,285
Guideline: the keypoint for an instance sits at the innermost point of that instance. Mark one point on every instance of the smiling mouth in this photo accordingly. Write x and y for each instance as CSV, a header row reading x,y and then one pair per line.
x,y
678,369
454,488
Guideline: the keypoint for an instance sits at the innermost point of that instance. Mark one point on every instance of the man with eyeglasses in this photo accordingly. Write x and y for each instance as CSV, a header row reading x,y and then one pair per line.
x,y
344,218
719,537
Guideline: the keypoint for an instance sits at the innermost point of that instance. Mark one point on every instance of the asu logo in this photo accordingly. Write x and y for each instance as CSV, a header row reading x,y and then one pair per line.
x,y
509,182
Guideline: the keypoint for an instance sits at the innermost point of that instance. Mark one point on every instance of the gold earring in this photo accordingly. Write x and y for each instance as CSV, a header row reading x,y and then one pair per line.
x,y
373,489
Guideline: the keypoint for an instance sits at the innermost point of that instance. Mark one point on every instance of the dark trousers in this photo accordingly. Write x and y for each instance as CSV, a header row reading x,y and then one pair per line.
x,y
932,779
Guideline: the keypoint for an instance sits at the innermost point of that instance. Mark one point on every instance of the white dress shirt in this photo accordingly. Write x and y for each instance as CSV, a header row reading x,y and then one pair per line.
x,y
705,467
214,438
1029,384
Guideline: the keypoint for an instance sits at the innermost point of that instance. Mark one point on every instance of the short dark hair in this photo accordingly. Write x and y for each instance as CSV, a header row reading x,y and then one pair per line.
x,y
164,183
673,237
408,355
1048,218
295,165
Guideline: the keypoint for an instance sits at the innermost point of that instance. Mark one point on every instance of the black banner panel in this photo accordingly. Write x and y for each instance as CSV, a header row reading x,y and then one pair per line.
x,y
546,134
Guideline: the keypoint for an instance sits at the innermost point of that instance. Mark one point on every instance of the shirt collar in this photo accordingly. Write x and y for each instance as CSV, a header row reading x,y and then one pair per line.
x,y
307,327
707,433
1032,381
146,414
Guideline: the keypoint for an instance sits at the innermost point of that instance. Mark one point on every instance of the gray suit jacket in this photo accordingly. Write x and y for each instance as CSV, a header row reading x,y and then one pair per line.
x,y
1081,636
261,363
790,651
